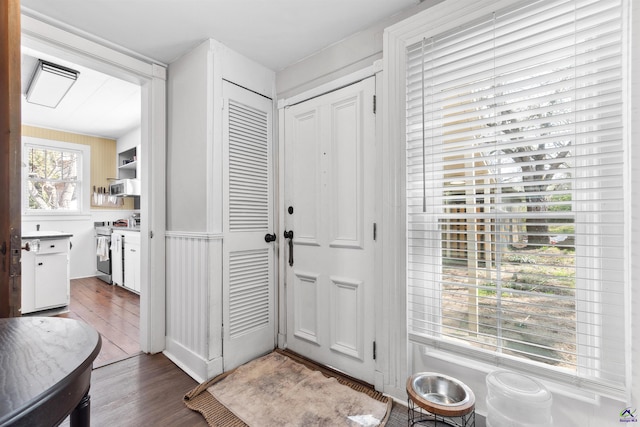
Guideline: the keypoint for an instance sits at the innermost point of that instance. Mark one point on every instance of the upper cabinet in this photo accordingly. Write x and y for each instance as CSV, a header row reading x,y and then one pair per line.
x,y
128,156
128,163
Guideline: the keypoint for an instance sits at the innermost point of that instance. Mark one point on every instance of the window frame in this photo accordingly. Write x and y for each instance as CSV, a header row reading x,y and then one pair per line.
x,y
441,17
84,152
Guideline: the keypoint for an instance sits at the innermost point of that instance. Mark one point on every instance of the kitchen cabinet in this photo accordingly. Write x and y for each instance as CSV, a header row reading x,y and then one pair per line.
x,y
131,260
129,163
45,271
129,167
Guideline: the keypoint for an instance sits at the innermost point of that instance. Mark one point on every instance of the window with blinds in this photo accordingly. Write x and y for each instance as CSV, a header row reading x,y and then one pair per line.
x,y
515,195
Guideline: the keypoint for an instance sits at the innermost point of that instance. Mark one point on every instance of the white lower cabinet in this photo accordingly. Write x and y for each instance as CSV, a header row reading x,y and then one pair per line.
x,y
51,281
45,275
132,261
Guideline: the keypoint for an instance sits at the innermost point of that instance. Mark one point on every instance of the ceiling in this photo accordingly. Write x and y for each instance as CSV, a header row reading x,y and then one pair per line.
x,y
275,33
97,104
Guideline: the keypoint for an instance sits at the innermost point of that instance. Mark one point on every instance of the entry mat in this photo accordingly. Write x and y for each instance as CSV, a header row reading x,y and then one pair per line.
x,y
275,390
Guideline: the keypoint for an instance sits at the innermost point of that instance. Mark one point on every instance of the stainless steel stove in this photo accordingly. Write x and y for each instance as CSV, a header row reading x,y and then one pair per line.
x,y
103,250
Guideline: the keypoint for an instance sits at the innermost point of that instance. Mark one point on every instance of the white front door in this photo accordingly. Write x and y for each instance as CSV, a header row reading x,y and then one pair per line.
x,y
248,259
329,207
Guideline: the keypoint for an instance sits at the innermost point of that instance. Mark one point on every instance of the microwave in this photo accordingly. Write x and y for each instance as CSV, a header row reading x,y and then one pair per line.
x,y
125,187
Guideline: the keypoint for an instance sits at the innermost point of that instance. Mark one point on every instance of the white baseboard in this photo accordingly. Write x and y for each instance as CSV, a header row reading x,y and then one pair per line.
x,y
191,363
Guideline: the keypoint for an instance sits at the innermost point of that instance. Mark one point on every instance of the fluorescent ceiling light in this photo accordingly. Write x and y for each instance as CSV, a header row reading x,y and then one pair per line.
x,y
50,83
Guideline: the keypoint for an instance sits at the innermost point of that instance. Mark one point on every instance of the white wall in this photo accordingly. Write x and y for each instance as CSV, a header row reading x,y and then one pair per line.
x,y
188,97
130,140
83,251
351,54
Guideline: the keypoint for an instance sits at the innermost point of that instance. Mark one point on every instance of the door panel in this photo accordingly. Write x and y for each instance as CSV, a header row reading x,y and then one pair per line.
x,y
305,296
306,154
346,319
329,179
248,260
346,174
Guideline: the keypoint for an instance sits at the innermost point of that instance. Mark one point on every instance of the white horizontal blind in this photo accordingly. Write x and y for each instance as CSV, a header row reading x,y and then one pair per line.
x,y
515,190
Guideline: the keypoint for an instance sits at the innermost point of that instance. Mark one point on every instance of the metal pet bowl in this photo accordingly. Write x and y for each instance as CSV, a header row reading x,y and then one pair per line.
x,y
441,390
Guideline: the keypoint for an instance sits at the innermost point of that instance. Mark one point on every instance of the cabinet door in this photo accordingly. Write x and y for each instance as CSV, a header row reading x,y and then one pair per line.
x,y
51,281
116,259
132,265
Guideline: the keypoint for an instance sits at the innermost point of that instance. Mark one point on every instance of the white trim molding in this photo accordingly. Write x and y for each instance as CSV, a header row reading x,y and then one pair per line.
x,y
332,85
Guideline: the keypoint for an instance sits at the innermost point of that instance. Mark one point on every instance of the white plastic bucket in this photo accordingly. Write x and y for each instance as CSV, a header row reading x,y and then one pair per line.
x,y
515,400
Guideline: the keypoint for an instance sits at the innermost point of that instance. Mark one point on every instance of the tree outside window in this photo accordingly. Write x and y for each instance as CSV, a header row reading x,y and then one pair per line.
x,y
515,202
53,181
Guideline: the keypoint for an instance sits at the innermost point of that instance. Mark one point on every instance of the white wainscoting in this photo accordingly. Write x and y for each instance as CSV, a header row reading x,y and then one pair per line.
x,y
194,303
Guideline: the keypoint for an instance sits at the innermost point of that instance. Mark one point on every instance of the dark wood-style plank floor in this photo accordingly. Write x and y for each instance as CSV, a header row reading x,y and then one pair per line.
x,y
113,311
130,388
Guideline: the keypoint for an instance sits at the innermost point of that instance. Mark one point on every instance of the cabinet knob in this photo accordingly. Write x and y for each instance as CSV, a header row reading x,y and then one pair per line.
x,y
40,263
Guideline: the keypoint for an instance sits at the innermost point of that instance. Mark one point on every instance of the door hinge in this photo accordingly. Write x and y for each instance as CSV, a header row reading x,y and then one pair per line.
x,y
375,231
374,350
374,104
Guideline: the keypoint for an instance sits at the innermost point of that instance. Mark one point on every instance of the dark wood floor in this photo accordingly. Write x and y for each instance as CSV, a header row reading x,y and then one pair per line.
x,y
113,311
143,390
129,388
147,390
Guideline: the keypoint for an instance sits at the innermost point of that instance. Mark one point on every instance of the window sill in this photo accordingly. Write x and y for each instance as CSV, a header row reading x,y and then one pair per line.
x,y
483,368
56,216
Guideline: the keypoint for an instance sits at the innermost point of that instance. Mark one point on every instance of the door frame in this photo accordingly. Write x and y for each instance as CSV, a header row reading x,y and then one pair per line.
x,y
373,70
151,76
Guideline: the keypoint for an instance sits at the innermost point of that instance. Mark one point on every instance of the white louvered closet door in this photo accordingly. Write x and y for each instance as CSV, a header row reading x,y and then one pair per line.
x,y
248,276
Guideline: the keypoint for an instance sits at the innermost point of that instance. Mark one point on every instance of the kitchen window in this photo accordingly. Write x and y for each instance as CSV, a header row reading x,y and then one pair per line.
x,y
515,201
55,177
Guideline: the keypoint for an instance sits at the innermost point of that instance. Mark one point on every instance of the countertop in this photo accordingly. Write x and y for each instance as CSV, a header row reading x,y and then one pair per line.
x,y
119,229
45,234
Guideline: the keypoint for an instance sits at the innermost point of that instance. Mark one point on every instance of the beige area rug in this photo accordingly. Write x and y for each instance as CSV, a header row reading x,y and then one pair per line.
x,y
275,390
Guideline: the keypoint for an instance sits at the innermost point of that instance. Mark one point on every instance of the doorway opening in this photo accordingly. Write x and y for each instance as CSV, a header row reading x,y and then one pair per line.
x,y
150,80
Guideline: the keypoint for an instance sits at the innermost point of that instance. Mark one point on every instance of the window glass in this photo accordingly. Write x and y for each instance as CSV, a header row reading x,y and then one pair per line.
x,y
515,201
53,180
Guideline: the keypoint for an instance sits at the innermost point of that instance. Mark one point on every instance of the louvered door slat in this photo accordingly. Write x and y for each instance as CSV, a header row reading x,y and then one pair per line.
x,y
248,291
248,168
